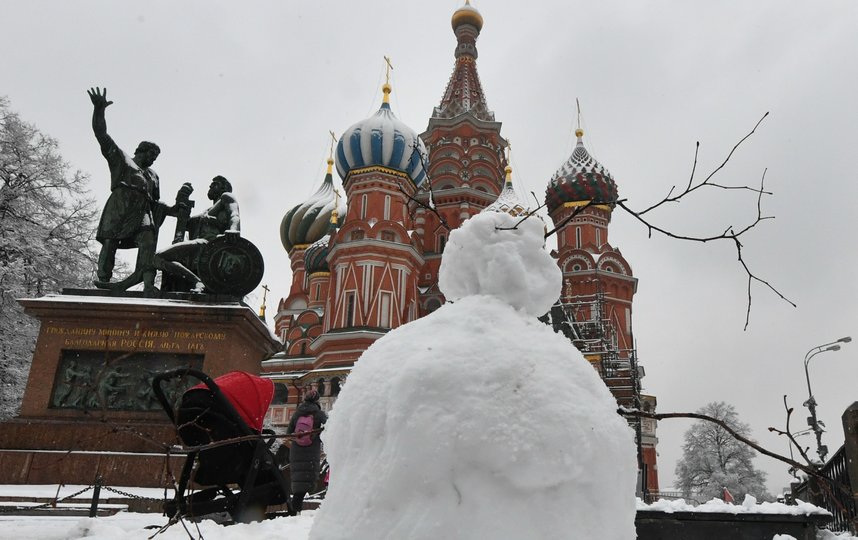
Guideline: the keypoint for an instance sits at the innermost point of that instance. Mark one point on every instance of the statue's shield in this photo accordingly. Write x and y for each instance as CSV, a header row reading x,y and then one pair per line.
x,y
230,265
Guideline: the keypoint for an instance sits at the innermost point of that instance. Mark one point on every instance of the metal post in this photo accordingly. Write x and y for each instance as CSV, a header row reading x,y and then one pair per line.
x,y
96,492
850,431
813,422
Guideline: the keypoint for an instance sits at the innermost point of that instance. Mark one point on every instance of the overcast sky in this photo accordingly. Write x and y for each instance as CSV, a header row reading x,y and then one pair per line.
x,y
251,92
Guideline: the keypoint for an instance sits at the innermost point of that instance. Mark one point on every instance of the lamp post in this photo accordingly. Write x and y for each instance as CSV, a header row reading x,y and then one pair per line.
x,y
814,424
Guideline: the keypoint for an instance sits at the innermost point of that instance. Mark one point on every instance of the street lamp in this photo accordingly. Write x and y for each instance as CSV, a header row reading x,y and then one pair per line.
x,y
815,424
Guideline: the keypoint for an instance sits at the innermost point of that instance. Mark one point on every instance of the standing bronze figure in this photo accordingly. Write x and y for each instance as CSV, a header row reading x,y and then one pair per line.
x,y
133,213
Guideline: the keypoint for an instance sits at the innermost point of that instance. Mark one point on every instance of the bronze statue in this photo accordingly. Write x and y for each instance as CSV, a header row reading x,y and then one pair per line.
x,y
214,259
133,212
221,219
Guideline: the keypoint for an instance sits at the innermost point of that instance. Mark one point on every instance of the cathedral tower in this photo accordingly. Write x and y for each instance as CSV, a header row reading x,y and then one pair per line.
x,y
595,306
466,156
373,259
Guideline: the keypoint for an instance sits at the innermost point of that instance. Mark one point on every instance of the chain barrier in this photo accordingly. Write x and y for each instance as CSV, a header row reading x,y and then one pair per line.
x,y
131,495
50,504
53,503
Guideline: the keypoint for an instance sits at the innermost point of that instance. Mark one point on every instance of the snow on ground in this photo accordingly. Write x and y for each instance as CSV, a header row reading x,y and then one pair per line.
x,y
749,505
132,526
478,421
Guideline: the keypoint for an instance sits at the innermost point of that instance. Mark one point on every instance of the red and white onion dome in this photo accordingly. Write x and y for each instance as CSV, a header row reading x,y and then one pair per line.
x,y
581,179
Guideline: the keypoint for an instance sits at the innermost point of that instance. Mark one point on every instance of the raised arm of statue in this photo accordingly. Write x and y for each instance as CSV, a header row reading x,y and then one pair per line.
x,y
99,123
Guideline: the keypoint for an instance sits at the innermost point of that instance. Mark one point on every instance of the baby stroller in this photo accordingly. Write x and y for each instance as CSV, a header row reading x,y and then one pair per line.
x,y
240,478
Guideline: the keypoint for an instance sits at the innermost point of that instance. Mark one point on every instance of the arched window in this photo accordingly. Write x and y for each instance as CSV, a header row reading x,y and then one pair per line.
x,y
335,386
320,386
281,394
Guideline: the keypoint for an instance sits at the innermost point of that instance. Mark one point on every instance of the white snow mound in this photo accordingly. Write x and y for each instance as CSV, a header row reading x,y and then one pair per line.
x,y
478,421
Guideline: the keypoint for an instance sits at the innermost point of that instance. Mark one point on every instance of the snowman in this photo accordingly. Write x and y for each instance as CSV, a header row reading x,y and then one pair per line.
x,y
478,421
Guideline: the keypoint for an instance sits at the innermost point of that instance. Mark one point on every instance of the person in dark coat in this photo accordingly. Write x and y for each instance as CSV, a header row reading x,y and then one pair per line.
x,y
304,460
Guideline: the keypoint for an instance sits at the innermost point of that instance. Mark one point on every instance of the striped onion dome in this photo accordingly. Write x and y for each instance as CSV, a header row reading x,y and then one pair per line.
x,y
382,140
316,256
308,222
508,201
580,179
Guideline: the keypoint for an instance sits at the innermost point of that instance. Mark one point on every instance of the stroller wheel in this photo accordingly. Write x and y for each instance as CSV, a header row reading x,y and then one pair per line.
x,y
251,513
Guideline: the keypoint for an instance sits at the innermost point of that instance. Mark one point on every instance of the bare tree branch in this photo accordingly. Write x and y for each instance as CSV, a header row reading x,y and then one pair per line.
x,y
789,434
826,484
691,186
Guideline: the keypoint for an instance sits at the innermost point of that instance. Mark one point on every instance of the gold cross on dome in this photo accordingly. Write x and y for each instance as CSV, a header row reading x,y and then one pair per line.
x,y
333,142
387,70
265,291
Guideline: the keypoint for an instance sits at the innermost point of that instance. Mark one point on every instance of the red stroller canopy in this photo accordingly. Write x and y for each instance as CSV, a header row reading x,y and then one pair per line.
x,y
249,394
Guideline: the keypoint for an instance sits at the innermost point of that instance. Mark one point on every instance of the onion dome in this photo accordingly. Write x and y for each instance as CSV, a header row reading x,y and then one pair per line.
x,y
467,14
307,222
316,256
580,179
508,201
382,140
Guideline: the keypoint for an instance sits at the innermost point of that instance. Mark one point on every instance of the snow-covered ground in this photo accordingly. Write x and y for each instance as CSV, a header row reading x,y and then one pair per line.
x,y
134,526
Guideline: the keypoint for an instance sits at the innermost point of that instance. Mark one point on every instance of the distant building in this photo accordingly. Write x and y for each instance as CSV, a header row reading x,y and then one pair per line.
x,y
369,263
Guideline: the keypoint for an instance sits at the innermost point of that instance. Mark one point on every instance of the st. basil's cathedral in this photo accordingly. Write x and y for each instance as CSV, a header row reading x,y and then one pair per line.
x,y
368,261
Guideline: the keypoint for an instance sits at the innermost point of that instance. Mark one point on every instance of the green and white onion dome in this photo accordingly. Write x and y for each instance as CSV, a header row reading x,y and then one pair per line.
x,y
316,256
309,221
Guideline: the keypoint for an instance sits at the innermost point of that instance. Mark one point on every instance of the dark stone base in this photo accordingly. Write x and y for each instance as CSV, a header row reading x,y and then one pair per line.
x,y
652,525
50,451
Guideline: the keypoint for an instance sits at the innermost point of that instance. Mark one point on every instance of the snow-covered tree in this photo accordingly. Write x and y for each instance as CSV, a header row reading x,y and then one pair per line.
x,y
713,459
46,226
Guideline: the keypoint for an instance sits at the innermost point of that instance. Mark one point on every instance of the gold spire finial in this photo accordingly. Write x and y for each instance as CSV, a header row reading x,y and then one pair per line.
x,y
265,290
578,131
335,215
508,168
386,88
331,153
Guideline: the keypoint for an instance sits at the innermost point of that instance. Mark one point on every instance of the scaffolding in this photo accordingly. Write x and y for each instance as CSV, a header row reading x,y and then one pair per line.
x,y
586,321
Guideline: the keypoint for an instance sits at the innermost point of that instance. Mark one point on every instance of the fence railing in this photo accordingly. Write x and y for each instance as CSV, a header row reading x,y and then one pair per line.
x,y
836,496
